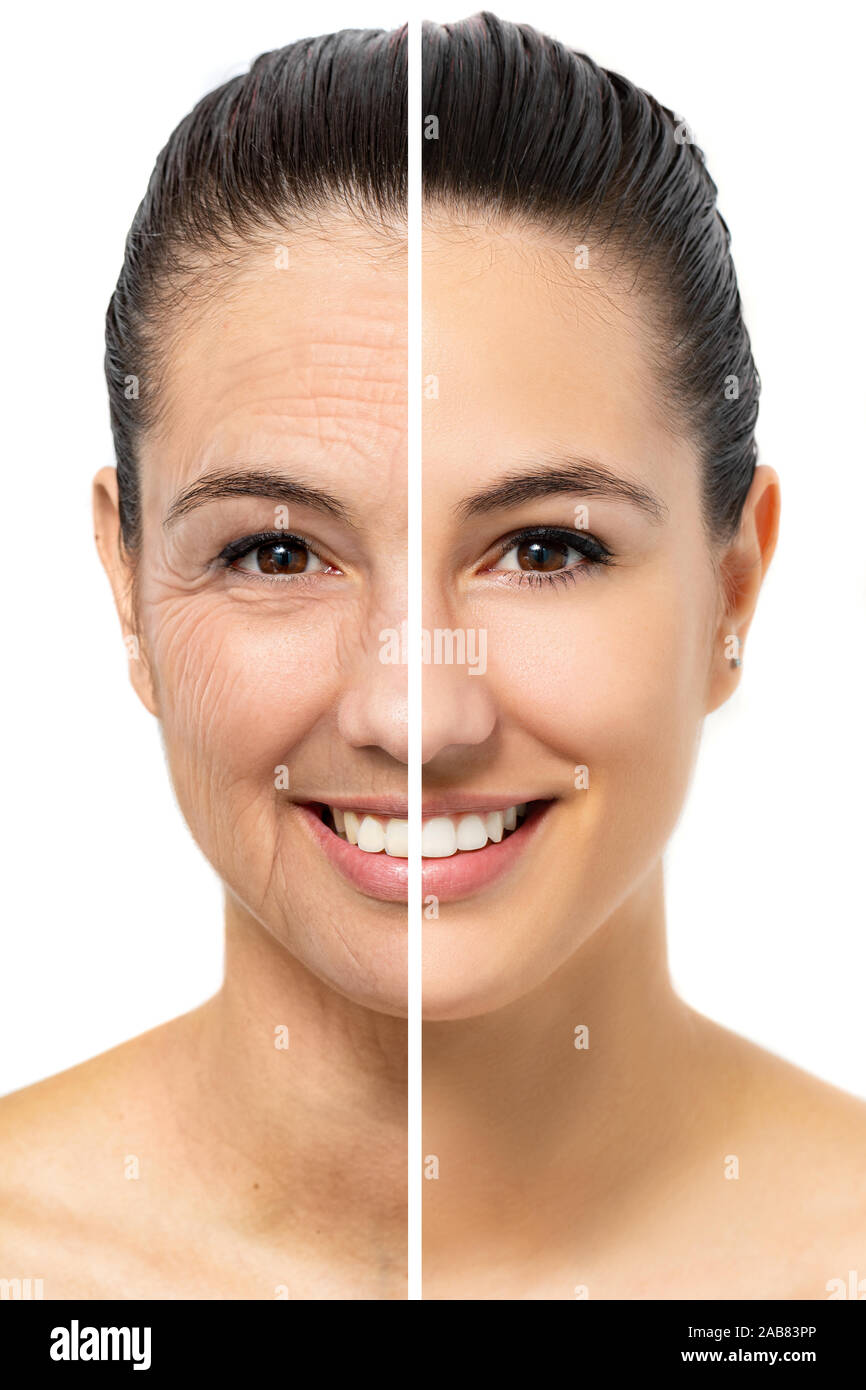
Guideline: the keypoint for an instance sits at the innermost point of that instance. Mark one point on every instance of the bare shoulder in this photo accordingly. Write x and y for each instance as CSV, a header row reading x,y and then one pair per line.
x,y
71,1149
801,1117
79,1114
795,1170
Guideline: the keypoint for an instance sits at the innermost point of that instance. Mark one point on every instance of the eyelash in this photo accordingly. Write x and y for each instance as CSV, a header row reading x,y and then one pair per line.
x,y
239,549
594,554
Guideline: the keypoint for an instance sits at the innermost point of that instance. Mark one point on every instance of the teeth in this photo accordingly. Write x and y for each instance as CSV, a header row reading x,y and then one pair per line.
x,y
441,836
371,836
397,839
471,833
438,838
495,826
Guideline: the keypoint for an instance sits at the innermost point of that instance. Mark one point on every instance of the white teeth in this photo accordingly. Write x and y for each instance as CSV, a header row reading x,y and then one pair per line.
x,y
441,836
397,839
471,833
495,826
371,835
438,838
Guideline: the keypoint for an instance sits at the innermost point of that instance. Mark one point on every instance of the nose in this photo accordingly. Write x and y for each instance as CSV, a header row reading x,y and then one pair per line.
x,y
373,707
457,708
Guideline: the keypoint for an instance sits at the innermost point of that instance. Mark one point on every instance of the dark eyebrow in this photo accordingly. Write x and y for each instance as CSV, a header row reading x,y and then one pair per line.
x,y
277,486
567,475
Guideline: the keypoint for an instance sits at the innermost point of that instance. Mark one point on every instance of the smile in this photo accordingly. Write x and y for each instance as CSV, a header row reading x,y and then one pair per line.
x,y
441,836
462,852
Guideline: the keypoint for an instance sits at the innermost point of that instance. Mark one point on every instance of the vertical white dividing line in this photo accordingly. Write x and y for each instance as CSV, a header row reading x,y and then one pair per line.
x,y
415,915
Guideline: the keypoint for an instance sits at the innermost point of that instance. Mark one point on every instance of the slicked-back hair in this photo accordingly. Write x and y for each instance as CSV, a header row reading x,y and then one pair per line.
x,y
533,130
527,129
314,127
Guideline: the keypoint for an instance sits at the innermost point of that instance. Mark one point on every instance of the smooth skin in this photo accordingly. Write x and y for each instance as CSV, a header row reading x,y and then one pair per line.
x,y
264,1171
599,1172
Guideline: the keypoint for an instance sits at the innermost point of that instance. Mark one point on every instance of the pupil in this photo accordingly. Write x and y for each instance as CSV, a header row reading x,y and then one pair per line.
x,y
280,558
542,555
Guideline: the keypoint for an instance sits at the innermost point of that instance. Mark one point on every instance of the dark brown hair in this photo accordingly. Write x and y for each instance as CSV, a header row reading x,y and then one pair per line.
x,y
317,124
527,128
535,130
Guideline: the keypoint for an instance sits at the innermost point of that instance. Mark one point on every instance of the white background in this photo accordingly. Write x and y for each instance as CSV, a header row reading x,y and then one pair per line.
x,y
112,918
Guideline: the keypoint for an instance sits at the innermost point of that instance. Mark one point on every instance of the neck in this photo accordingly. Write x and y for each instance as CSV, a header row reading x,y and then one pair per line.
x,y
305,1093
521,1118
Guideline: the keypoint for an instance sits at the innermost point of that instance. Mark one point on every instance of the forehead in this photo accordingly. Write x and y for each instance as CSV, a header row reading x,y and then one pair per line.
x,y
532,350
296,353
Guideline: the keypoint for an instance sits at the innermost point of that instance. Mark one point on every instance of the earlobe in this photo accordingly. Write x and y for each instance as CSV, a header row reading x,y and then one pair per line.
x,y
117,566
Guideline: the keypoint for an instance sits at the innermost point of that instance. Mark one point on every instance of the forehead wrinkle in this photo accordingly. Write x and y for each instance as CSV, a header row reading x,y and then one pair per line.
x,y
328,400
354,339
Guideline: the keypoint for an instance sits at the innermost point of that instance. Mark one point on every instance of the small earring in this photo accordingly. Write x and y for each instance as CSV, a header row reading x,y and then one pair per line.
x,y
735,661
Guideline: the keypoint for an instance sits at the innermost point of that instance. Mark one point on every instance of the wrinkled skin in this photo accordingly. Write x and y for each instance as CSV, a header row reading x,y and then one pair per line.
x,y
265,1171
301,371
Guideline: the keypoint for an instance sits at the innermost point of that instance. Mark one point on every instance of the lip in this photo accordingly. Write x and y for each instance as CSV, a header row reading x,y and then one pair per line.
x,y
374,875
395,806
458,804
459,876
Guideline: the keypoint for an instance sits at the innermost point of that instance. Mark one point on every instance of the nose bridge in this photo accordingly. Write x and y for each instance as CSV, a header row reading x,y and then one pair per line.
x,y
457,702
372,709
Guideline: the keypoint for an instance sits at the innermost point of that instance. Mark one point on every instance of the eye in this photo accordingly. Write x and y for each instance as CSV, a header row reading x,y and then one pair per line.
x,y
538,555
547,552
279,557
275,556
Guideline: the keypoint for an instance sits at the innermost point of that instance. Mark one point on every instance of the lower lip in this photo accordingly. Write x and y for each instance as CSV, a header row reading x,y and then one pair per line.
x,y
375,875
459,876
465,873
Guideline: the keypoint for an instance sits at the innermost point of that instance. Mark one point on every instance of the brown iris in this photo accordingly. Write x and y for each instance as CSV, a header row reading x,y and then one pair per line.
x,y
542,555
282,557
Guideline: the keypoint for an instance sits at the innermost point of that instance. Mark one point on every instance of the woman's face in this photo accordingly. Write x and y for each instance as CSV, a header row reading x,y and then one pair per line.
x,y
271,597
598,676
286,413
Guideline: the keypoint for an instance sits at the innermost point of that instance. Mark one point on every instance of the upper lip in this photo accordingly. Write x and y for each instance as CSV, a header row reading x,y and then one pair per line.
x,y
461,804
447,804
395,806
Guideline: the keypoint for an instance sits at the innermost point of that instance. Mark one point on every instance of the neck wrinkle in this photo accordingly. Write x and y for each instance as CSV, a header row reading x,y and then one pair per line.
x,y
320,1125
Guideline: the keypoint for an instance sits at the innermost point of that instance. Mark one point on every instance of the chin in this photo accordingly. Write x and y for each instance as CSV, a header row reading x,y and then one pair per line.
x,y
451,993
482,961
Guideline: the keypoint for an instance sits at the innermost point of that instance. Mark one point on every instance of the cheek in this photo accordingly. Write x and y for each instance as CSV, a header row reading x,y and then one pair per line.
x,y
611,679
238,690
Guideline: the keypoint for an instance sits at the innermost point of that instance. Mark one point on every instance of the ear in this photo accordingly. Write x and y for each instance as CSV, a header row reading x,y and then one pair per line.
x,y
742,566
118,565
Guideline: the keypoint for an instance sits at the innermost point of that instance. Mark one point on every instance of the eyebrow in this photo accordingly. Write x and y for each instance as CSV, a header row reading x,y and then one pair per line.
x,y
257,483
585,476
